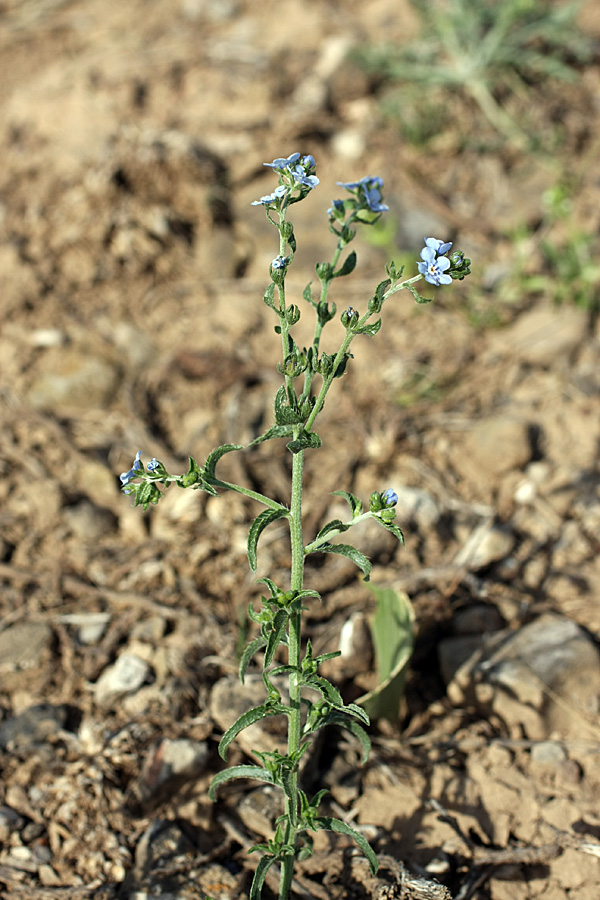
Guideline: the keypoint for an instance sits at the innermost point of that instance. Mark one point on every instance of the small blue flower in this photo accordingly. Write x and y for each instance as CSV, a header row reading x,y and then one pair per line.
x,y
270,199
135,470
337,209
300,177
153,465
434,267
389,498
280,262
440,247
368,190
282,163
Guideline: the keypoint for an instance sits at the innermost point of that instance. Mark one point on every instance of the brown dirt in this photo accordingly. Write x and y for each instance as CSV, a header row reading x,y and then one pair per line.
x,y
131,317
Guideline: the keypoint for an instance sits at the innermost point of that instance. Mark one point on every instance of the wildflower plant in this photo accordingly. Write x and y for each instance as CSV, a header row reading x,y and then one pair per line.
x,y
307,376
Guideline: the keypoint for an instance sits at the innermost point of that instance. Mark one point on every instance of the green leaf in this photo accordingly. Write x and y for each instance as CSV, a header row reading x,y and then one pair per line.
x,y
238,772
359,559
369,329
214,457
393,638
276,431
258,526
393,528
279,623
306,440
355,504
248,718
249,651
307,295
325,688
328,823
260,874
269,295
335,525
351,725
348,265
417,295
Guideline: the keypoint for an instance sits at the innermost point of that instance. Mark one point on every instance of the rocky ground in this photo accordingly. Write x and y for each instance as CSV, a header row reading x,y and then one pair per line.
x,y
133,267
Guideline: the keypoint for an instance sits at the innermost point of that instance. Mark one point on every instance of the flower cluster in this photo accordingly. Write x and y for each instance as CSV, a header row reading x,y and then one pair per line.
x,y
137,469
368,192
295,171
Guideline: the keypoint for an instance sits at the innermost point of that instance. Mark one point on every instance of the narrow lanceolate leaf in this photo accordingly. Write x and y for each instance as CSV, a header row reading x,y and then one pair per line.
x,y
249,651
355,504
277,431
348,266
238,772
351,725
417,295
258,526
260,874
335,525
393,528
215,456
246,719
330,824
359,559
325,688
279,623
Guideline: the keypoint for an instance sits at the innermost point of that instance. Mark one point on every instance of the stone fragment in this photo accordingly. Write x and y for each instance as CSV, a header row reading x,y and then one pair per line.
x,y
543,680
74,378
10,820
416,505
168,766
487,544
24,650
124,677
544,335
32,727
259,809
492,447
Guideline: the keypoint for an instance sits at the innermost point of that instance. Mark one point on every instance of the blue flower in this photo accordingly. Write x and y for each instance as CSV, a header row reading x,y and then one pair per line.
x,y
280,262
368,190
300,169
434,267
337,209
282,163
389,498
269,199
135,470
153,465
440,247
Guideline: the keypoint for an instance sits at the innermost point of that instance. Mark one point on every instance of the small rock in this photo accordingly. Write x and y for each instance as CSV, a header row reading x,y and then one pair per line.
x,y
73,378
259,809
548,753
167,767
543,679
10,820
89,522
32,727
545,334
492,447
124,677
486,545
24,650
416,505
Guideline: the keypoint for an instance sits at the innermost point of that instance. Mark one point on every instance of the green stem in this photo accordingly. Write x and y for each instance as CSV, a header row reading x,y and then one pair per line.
x,y
294,649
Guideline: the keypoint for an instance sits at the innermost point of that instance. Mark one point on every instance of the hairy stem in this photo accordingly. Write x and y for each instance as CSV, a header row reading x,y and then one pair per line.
x,y
294,647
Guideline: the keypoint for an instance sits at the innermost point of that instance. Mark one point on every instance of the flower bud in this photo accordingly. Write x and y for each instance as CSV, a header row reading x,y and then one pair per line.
x,y
349,318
